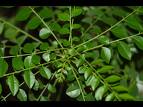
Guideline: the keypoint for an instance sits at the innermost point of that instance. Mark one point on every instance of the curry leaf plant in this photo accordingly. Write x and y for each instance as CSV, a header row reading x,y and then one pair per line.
x,y
58,53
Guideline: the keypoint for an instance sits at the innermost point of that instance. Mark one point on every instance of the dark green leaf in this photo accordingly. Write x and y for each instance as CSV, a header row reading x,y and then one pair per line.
x,y
0,88
1,27
11,33
14,50
44,46
23,13
36,59
3,67
124,50
17,63
33,23
120,31
46,13
138,40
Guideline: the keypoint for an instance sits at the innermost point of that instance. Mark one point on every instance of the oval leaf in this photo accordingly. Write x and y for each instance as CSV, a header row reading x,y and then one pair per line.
x,y
13,84
109,97
29,78
17,63
22,96
124,50
106,54
45,72
64,16
73,91
44,33
46,57
3,67
138,40
100,92
113,78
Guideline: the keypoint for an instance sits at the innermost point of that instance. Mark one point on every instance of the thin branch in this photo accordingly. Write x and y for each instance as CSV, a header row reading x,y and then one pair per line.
x,y
20,30
45,25
107,29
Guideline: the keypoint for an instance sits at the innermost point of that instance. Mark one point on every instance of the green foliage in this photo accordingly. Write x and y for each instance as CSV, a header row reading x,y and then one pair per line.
x,y
72,52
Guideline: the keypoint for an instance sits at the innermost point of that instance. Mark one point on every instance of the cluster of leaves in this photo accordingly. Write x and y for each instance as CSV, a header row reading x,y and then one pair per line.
x,y
79,53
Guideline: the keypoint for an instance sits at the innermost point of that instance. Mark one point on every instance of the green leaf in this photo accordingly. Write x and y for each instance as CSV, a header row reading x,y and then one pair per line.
x,y
0,88
17,63
33,23
51,88
64,31
106,54
113,78
1,27
63,16
44,33
103,39
46,13
135,23
105,69
28,48
82,69
120,88
3,67
20,39
138,40
109,97
14,50
73,91
126,96
13,84
87,72
23,14
29,78
120,31
22,96
44,46
76,26
55,26
36,85
46,57
76,12
45,72
124,50
11,33
100,92
28,62
93,82
36,59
